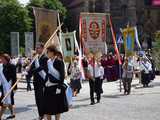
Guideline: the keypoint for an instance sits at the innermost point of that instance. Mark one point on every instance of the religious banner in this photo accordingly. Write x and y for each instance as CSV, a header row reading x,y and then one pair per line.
x,y
67,42
46,23
14,44
93,31
55,41
129,39
29,43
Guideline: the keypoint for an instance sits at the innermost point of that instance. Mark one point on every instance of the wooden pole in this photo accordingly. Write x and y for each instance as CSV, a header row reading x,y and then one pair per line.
x,y
45,46
116,48
10,90
120,73
47,43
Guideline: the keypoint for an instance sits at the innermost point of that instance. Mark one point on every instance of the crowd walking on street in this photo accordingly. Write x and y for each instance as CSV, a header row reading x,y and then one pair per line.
x,y
48,72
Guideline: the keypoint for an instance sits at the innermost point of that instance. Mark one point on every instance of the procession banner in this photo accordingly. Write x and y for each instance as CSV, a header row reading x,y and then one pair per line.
x,y
93,31
29,43
67,42
129,39
14,44
46,23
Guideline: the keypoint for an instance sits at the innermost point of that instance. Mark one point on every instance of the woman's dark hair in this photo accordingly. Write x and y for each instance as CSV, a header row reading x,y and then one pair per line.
x,y
6,57
40,44
1,54
59,54
52,48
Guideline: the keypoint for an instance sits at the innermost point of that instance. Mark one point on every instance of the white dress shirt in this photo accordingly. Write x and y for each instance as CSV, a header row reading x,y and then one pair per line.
x,y
97,71
146,67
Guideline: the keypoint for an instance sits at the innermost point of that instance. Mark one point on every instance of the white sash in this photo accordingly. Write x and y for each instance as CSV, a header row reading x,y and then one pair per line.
x,y
6,86
52,70
42,72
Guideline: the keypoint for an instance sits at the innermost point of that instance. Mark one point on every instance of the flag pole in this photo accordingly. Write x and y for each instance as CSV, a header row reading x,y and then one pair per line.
x,y
60,42
45,46
116,50
47,43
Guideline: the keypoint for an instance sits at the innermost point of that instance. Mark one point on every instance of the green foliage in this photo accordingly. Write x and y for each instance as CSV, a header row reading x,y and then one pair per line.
x,y
13,18
56,5
16,18
156,50
157,39
35,3
22,51
48,4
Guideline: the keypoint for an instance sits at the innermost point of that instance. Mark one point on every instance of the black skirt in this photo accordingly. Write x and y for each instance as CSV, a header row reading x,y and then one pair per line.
x,y
76,84
145,78
54,103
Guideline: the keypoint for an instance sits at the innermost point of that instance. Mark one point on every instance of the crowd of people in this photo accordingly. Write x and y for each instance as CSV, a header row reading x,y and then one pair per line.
x,y
48,72
48,79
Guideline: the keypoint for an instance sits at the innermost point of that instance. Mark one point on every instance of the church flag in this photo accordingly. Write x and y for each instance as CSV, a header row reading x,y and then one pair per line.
x,y
67,42
46,23
93,31
129,39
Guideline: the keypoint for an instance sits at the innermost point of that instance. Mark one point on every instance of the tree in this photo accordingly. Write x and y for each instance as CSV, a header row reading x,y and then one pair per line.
x,y
13,18
156,50
48,4
55,5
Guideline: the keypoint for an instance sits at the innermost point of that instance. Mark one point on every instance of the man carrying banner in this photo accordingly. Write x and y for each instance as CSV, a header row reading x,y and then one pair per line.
x,y
37,69
7,80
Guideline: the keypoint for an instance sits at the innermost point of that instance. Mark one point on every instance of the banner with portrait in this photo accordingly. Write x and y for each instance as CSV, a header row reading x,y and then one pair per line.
x,y
93,31
46,23
67,42
129,40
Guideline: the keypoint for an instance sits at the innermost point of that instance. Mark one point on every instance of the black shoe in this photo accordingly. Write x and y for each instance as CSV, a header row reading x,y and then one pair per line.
x,y
128,93
98,101
92,103
10,117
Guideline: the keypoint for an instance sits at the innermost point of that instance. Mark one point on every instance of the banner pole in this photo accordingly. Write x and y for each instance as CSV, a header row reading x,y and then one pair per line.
x,y
115,47
120,72
45,46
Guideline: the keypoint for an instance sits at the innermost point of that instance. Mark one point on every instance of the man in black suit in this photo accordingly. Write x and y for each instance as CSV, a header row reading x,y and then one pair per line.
x,y
38,70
